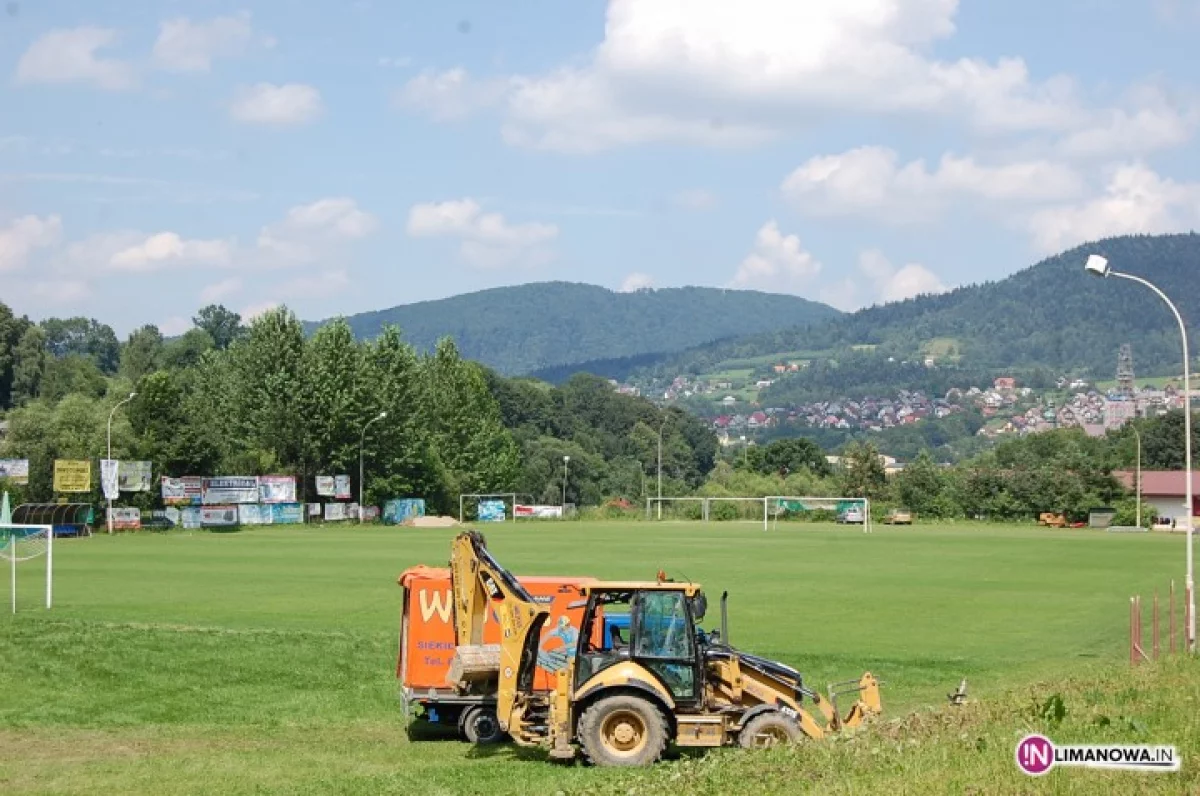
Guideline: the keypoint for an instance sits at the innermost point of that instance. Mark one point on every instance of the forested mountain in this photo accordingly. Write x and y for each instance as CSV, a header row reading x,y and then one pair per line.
x,y
1052,314
550,324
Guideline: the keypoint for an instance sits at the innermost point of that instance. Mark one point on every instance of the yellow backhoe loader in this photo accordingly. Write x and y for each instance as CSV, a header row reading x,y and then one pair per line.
x,y
621,701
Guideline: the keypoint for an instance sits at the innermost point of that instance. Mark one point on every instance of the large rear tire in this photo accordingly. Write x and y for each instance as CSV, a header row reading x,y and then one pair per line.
x,y
623,730
769,729
479,725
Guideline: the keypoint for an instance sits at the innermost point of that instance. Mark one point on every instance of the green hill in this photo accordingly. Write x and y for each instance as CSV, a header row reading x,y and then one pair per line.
x,y
1051,315
554,324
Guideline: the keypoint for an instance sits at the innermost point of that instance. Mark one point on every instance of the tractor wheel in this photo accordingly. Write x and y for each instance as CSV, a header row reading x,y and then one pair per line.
x,y
769,729
623,730
480,726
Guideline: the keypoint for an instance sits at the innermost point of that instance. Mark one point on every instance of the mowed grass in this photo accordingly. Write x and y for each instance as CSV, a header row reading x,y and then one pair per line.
x,y
264,661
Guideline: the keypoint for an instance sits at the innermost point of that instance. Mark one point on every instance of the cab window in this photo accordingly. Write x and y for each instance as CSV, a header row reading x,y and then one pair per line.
x,y
662,629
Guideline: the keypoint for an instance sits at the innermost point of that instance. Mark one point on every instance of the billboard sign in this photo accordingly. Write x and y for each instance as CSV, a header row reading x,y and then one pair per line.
x,y
71,475
133,476
286,513
125,518
15,470
335,511
325,485
276,489
229,489
341,487
254,514
537,512
109,483
491,511
185,491
218,516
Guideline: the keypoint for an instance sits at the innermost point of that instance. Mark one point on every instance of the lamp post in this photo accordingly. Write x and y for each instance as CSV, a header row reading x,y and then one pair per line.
x,y
566,461
1139,474
132,395
361,441
1099,266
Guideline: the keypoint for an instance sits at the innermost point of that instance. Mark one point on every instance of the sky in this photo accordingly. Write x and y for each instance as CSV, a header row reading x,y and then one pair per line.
x,y
339,157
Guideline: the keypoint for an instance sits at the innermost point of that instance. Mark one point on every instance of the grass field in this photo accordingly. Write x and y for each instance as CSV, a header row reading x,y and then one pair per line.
x,y
263,661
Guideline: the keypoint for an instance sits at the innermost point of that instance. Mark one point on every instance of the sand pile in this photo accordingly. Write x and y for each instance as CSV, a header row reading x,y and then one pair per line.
x,y
431,522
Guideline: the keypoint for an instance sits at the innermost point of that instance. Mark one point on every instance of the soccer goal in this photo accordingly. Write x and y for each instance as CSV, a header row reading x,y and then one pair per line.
x,y
707,509
20,543
848,510
675,508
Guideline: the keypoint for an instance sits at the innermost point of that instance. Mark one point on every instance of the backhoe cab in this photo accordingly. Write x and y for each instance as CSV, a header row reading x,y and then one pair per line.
x,y
622,700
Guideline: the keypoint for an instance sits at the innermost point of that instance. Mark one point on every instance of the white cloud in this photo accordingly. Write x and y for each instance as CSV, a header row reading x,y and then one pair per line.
x,y
326,283
877,281
23,236
695,199
168,248
1135,200
252,311
1151,121
449,95
778,264
308,232
277,105
714,72
868,180
635,282
187,46
220,290
488,240
62,291
174,326
70,56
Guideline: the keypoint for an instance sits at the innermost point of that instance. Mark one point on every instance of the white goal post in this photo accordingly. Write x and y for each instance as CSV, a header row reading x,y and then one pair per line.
x,y
22,543
837,506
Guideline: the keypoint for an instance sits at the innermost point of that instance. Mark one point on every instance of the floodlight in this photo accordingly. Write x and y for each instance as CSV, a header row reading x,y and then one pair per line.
x,y
1097,265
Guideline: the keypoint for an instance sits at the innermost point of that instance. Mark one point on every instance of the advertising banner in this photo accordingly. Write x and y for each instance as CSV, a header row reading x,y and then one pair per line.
x,y
314,509
276,489
126,519
286,513
218,515
254,514
133,476
399,510
15,470
109,482
537,512
341,487
491,511
171,515
72,475
325,485
369,513
185,491
191,516
335,511
229,489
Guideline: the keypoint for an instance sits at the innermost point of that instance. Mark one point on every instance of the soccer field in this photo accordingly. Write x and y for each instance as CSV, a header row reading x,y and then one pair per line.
x,y
264,660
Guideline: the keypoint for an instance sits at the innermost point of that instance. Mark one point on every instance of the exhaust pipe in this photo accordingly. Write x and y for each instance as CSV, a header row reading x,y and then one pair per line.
x,y
725,618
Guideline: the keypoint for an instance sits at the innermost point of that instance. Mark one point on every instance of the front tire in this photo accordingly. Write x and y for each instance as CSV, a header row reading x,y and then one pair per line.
x,y
480,726
769,729
623,730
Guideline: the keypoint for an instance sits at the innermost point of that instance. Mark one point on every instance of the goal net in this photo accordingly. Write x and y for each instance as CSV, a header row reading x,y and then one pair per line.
x,y
707,509
847,510
20,543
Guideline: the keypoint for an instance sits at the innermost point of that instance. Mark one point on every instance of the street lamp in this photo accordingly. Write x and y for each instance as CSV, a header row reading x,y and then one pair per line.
x,y
660,433
1098,266
132,395
361,440
566,461
1139,473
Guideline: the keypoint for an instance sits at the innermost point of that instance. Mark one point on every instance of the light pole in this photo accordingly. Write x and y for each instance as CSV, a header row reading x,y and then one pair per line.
x,y
566,461
361,441
132,395
1098,266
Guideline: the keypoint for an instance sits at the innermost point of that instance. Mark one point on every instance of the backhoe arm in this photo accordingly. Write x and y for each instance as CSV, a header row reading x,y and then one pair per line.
x,y
481,585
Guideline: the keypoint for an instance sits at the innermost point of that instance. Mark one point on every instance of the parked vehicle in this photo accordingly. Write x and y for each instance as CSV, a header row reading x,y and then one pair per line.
x,y
852,516
899,517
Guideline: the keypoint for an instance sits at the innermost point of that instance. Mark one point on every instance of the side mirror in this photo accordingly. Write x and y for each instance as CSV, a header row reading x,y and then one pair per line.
x,y
700,606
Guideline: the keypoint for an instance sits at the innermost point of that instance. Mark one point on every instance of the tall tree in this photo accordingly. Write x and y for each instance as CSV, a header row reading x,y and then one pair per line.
x,y
864,474
142,353
74,373
29,365
86,337
223,325
186,350
12,329
919,485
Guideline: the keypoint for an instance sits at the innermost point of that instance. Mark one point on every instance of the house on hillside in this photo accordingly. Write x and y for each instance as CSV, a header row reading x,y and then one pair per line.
x,y
1164,490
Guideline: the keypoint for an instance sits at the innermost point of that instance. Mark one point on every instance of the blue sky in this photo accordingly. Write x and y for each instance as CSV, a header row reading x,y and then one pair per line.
x,y
346,156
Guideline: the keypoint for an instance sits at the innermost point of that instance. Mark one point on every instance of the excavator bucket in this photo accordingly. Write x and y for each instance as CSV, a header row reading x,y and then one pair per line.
x,y
868,703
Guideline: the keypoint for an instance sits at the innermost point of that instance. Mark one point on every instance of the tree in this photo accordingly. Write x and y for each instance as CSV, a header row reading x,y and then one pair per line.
x,y
786,456
864,474
12,329
72,374
142,353
29,365
186,350
919,486
223,326
85,337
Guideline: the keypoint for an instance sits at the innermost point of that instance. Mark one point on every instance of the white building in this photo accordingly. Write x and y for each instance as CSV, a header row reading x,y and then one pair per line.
x,y
1163,493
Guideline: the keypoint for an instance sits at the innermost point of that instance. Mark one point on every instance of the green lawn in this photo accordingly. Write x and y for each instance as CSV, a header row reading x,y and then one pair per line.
x,y
263,661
